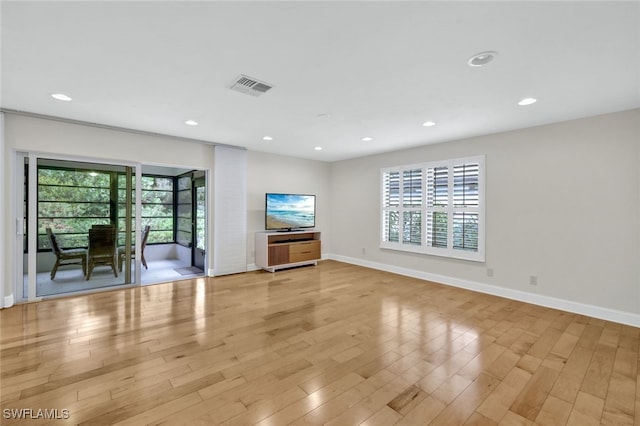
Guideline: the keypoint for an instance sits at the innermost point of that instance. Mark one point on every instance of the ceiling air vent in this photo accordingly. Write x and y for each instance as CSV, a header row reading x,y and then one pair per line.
x,y
250,86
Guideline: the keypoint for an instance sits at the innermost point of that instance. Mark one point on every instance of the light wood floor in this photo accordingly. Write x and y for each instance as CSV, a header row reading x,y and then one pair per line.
x,y
335,344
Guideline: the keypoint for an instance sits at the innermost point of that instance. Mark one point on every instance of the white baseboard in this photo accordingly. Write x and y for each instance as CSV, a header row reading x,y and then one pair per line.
x,y
254,267
8,301
522,296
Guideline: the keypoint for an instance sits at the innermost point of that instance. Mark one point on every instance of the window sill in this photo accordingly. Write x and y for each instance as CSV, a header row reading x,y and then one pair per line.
x,y
472,256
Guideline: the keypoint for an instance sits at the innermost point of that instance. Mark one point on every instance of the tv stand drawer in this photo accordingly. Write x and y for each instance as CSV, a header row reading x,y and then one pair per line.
x,y
305,250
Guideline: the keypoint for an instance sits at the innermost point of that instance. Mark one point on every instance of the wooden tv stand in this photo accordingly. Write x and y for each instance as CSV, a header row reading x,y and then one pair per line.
x,y
279,250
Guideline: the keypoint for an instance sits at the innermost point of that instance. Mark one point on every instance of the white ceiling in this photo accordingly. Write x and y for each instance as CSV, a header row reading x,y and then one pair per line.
x,y
341,70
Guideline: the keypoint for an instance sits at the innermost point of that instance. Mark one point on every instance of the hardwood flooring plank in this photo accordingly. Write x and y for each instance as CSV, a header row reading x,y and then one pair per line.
x,y
503,364
383,417
267,407
314,400
497,404
482,361
477,419
407,400
571,377
587,410
530,400
619,406
464,405
358,409
423,413
153,415
554,411
596,381
513,419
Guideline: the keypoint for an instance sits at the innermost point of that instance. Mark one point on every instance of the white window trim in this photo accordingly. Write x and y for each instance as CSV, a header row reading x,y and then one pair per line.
x,y
450,252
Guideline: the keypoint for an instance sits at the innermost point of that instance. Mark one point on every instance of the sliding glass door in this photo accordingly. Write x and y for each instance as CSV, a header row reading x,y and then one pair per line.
x,y
191,221
80,221
156,222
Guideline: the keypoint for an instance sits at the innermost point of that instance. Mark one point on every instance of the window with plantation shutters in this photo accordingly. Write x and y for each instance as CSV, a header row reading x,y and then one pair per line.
x,y
435,208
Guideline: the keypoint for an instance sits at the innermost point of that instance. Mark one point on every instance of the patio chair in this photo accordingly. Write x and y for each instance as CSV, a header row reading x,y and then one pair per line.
x,y
102,248
122,253
66,257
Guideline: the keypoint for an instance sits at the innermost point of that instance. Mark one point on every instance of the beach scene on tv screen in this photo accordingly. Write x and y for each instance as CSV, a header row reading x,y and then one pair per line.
x,y
290,211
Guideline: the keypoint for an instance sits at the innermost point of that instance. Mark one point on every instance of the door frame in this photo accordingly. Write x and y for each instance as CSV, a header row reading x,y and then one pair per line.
x,y
17,200
198,179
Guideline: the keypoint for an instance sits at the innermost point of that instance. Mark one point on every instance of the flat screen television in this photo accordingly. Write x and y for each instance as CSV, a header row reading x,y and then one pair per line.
x,y
286,212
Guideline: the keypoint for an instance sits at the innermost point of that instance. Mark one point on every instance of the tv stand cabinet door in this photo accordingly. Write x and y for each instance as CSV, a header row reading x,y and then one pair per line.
x,y
278,254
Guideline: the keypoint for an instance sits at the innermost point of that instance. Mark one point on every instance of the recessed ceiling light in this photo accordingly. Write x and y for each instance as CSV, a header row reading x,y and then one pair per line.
x,y
267,138
527,101
318,148
61,97
367,139
428,124
191,123
481,59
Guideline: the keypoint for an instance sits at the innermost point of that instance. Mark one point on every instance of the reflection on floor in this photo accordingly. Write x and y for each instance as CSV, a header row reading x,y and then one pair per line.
x,y
70,279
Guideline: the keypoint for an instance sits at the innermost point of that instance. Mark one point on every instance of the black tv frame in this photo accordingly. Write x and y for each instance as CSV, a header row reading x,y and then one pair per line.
x,y
289,229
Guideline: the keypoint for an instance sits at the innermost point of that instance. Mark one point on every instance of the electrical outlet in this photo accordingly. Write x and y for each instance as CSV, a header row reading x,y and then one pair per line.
x,y
533,280
489,272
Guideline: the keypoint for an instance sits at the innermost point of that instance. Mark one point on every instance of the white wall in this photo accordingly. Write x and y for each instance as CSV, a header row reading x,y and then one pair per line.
x,y
276,173
44,136
563,204
57,137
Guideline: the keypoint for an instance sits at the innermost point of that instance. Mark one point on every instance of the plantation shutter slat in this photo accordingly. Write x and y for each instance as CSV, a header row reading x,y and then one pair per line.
x,y
465,184
412,227
391,182
437,186
465,231
437,226
391,230
412,188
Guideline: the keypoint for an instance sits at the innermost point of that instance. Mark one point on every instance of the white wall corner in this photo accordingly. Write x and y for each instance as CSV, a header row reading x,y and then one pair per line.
x,y
613,315
253,267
